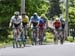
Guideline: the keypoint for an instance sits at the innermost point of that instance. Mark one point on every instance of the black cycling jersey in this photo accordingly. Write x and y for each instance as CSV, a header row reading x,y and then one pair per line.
x,y
24,24
34,24
16,25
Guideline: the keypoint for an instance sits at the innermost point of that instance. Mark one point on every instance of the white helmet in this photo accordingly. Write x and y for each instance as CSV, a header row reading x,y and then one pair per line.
x,y
16,13
57,19
35,14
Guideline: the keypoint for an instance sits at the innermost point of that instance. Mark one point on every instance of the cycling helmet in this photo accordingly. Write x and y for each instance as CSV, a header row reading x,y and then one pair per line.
x,y
42,15
23,13
16,13
41,21
35,14
57,19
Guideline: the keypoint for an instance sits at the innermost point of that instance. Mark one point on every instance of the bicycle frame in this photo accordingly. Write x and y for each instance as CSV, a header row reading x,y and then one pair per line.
x,y
16,37
25,31
34,35
59,35
41,36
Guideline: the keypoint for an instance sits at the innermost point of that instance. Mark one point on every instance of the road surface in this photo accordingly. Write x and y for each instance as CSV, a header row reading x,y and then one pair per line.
x,y
68,49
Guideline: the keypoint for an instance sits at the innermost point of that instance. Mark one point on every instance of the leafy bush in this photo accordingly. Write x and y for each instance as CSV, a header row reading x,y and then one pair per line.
x,y
70,39
3,34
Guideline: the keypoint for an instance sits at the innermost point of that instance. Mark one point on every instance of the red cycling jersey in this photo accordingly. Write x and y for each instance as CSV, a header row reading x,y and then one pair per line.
x,y
57,24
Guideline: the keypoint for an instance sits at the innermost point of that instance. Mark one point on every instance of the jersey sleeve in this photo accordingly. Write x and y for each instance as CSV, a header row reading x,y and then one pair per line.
x,y
21,20
38,20
27,19
31,19
11,21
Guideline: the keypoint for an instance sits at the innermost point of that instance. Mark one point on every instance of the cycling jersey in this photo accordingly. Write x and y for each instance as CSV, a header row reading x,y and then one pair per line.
x,y
16,22
16,25
62,24
34,20
42,23
57,24
25,20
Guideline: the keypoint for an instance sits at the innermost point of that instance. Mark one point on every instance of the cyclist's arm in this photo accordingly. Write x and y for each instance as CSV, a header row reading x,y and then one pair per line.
x,y
11,22
30,21
54,24
21,21
38,21
27,20
21,24
46,24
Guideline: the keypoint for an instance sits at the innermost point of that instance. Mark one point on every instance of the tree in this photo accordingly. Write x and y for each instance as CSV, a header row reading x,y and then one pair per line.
x,y
7,8
39,6
54,8
71,15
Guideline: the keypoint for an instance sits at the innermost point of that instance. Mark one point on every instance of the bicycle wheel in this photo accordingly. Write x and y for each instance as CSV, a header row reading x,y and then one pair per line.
x,y
62,37
16,39
34,37
23,39
56,37
41,36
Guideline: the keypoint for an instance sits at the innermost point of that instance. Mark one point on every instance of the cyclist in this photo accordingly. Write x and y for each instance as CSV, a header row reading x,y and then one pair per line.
x,y
16,23
62,22
57,25
45,22
34,20
25,21
42,27
63,28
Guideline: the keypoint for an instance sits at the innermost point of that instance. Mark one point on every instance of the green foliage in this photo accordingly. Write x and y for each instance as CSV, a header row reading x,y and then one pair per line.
x,y
49,37
72,14
39,6
3,34
7,8
70,39
54,8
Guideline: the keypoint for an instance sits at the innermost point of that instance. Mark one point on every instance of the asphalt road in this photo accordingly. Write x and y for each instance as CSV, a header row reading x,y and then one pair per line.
x,y
68,49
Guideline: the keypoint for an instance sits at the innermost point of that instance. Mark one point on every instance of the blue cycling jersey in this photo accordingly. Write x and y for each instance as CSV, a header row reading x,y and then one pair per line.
x,y
42,21
35,19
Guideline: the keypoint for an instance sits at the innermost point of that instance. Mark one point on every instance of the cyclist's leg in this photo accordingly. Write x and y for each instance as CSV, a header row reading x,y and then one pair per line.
x,y
25,31
62,37
44,33
32,36
44,30
23,37
18,35
15,37
42,36
56,37
35,35
39,36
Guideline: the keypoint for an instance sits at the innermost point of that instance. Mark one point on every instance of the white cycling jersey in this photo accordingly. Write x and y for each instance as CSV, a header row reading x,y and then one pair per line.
x,y
16,21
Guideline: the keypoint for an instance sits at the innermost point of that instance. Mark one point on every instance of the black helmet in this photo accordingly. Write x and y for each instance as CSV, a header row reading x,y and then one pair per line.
x,y
23,13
